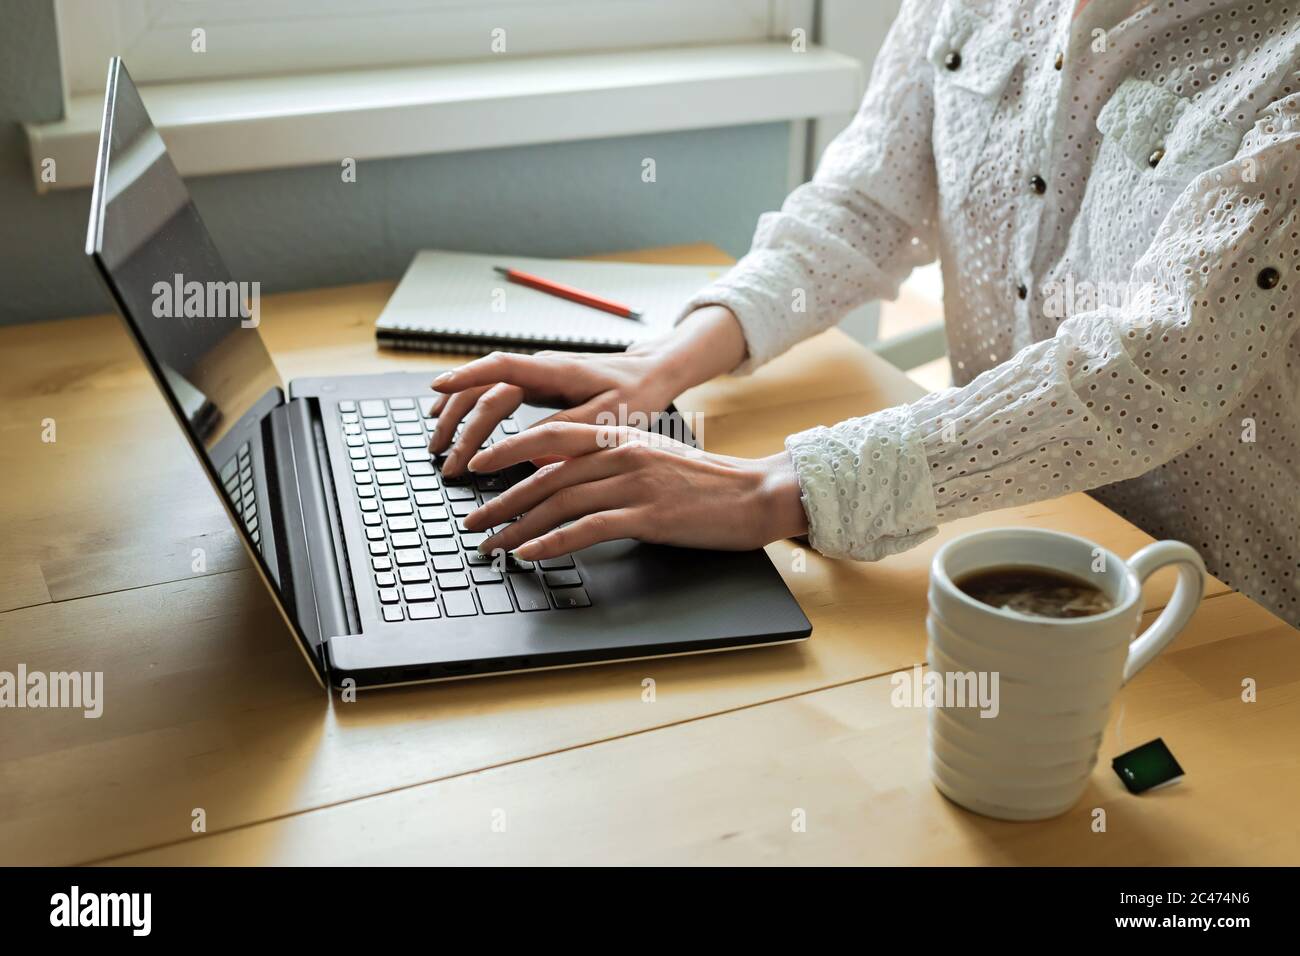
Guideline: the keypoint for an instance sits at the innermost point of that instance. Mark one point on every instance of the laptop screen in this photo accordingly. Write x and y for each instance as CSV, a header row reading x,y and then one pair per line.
x,y
195,325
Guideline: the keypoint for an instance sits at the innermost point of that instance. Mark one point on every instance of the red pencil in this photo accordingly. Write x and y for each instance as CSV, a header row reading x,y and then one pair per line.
x,y
568,292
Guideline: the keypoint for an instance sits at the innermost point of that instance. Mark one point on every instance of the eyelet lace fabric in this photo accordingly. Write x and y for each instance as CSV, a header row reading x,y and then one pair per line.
x,y
1146,198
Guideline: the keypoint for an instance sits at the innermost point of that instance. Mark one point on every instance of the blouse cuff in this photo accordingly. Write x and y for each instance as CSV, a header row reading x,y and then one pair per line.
x,y
747,290
865,486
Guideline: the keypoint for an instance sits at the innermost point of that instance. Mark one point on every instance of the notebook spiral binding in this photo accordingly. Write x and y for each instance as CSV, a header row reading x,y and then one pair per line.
x,y
459,343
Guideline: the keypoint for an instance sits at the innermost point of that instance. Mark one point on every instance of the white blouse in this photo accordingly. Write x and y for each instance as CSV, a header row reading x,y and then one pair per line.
x,y
1114,195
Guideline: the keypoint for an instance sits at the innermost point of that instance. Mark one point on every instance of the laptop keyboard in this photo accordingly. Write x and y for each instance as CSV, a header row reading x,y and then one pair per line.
x,y
237,478
424,564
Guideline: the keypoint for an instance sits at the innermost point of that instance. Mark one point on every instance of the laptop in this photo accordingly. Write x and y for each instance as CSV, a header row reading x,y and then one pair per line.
x,y
344,513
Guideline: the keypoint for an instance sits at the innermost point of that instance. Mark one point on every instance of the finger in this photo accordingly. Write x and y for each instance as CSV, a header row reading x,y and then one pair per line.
x,y
539,486
495,404
566,504
457,407
527,371
583,533
566,439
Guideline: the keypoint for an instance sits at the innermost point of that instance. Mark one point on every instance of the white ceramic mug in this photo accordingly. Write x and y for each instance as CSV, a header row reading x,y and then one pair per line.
x,y
1030,757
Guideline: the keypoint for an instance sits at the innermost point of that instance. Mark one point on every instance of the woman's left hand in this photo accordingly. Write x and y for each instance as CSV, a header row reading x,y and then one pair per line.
x,y
619,482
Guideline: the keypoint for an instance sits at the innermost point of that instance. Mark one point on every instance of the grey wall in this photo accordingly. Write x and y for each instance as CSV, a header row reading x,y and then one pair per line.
x,y
305,227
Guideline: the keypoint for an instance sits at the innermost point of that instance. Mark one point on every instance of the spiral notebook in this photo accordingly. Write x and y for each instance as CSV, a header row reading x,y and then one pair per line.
x,y
455,302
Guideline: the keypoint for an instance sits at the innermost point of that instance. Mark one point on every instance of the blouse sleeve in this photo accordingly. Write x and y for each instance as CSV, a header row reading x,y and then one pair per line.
x,y
860,226
1118,390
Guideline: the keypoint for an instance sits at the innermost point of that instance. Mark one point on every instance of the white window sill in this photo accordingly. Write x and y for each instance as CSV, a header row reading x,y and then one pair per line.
x,y
238,125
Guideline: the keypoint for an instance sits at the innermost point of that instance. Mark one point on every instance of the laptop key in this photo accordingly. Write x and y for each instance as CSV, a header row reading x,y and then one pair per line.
x,y
401,523
393,492
389,595
363,477
459,604
402,507
428,499
383,464
390,478
424,483
374,534
571,597
484,575
453,581
495,599
423,611
382,564
447,562
413,573
426,404
421,468
373,407
407,427
378,547
407,539
458,492
366,491
388,450
368,504
384,437
386,579
392,613
461,508
401,403
418,592
409,556
405,417
528,592
371,518
442,546
556,579
471,540
412,441
438,529
554,564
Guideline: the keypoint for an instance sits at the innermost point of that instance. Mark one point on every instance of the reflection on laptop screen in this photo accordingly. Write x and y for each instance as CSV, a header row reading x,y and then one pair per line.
x,y
198,324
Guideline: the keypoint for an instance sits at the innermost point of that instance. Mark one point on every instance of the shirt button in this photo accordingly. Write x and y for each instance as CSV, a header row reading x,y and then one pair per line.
x,y
1022,291
1038,184
953,60
1156,155
1268,278
1060,61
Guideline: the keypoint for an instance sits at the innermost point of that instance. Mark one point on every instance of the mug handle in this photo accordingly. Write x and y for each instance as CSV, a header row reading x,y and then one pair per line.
x,y
1181,607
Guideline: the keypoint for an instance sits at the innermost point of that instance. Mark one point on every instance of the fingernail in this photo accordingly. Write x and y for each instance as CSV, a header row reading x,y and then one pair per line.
x,y
527,549
452,463
473,462
440,379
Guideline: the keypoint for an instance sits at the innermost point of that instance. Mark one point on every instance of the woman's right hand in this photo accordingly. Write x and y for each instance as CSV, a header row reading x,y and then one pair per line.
x,y
643,380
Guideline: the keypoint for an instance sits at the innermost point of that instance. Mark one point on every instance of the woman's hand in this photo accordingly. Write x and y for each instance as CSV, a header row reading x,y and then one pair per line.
x,y
618,482
643,380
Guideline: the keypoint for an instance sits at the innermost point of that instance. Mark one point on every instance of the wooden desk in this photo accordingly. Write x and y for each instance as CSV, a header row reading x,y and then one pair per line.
x,y
208,704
